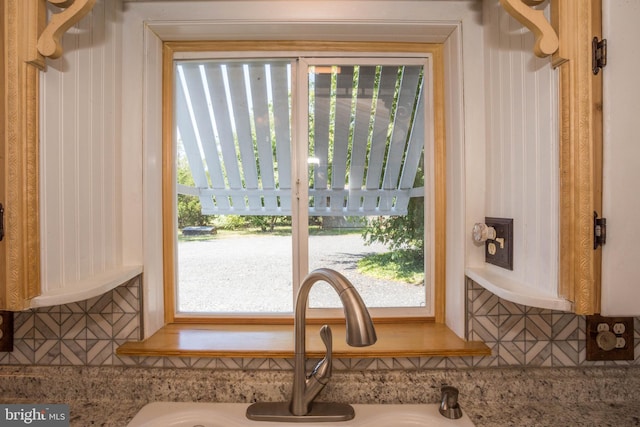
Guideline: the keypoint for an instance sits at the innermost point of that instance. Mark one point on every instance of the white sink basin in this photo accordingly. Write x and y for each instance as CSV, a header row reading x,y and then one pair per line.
x,y
189,414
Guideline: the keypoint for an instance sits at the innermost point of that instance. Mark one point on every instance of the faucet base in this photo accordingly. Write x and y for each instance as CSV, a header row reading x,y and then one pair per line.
x,y
320,412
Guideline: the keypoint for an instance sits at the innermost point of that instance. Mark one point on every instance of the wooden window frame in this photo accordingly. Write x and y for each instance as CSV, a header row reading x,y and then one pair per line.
x,y
439,197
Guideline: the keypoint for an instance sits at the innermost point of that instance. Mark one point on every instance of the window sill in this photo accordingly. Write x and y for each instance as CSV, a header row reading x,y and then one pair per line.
x,y
276,341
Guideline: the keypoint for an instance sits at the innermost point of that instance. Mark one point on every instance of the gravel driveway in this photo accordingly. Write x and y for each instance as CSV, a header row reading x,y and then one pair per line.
x,y
253,274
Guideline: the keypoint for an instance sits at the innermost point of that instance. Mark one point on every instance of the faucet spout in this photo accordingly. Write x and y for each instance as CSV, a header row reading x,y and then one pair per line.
x,y
359,332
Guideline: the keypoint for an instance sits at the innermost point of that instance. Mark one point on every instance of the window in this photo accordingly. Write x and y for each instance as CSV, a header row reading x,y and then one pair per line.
x,y
313,143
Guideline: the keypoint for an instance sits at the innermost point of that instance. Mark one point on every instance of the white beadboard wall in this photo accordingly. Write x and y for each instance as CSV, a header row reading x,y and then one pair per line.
x,y
522,155
80,150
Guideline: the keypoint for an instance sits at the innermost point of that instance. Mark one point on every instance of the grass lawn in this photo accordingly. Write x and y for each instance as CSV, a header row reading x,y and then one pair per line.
x,y
400,266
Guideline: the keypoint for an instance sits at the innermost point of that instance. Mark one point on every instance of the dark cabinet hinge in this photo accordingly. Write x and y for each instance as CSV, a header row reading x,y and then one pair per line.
x,y
1,222
598,54
599,231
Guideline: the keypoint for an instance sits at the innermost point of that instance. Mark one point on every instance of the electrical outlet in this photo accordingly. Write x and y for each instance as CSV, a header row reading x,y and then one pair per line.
x,y
610,338
499,251
6,331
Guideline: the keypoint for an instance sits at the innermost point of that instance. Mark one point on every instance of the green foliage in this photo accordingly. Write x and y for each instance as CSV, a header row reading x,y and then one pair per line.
x,y
189,208
230,222
190,213
404,235
400,233
267,223
404,266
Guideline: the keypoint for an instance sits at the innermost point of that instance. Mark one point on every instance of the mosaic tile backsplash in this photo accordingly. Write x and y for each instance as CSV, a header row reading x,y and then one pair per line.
x,y
87,333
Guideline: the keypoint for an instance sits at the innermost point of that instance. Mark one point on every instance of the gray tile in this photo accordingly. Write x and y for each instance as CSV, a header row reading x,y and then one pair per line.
x,y
99,326
564,327
487,361
47,325
73,352
538,353
257,363
47,352
565,353
73,326
24,325
409,363
459,362
511,328
484,302
508,307
511,353
485,328
99,352
23,352
433,362
538,327
101,304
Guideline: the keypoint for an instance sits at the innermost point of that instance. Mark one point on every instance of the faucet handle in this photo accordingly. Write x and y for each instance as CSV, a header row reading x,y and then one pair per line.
x,y
327,338
322,370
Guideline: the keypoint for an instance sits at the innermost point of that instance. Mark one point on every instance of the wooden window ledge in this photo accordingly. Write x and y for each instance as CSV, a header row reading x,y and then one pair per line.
x,y
276,341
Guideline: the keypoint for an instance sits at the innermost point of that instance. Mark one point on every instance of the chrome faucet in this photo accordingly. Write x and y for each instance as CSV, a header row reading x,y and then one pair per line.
x,y
359,333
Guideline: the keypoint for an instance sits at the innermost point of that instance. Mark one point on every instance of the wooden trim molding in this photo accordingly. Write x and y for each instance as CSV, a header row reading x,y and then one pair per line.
x,y
44,40
440,173
19,157
169,216
3,119
546,37
580,156
49,41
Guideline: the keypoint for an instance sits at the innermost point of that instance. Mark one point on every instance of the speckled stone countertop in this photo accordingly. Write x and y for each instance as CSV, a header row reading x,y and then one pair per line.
x,y
595,414
111,396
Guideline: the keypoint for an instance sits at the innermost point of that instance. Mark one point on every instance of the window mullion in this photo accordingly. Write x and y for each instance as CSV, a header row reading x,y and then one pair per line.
x,y
299,171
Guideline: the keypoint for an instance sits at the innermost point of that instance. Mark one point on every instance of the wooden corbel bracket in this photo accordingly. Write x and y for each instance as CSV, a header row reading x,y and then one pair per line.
x,y
47,37
546,37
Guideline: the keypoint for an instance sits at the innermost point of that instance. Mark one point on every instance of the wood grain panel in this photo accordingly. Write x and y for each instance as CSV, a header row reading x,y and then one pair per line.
x,y
394,340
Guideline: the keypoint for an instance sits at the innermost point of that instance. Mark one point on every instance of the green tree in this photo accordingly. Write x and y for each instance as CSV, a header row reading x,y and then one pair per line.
x,y
189,208
267,223
404,234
